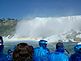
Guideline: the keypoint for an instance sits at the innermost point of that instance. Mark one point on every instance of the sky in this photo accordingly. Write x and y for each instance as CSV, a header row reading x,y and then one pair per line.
x,y
39,8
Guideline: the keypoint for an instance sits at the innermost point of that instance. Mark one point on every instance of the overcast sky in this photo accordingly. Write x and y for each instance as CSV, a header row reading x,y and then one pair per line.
x,y
39,8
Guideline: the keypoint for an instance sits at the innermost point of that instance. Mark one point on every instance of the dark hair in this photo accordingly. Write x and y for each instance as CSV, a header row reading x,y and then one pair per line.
x,y
23,52
1,44
59,44
1,40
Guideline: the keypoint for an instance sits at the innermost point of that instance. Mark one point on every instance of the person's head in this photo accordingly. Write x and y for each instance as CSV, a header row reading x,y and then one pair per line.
x,y
60,47
1,40
77,48
10,51
43,43
1,44
23,52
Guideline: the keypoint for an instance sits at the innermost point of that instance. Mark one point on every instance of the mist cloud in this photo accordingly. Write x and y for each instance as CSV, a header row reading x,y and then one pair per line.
x,y
47,26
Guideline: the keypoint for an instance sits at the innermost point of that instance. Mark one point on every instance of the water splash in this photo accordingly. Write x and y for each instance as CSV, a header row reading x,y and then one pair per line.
x,y
42,27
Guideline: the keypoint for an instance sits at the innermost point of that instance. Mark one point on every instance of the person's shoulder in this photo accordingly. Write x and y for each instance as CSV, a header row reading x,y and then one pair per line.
x,y
64,55
52,53
74,55
60,54
37,48
3,57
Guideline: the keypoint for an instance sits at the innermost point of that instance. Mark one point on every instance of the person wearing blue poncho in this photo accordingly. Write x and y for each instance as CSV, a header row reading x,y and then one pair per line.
x,y
41,53
77,55
9,55
2,56
59,54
